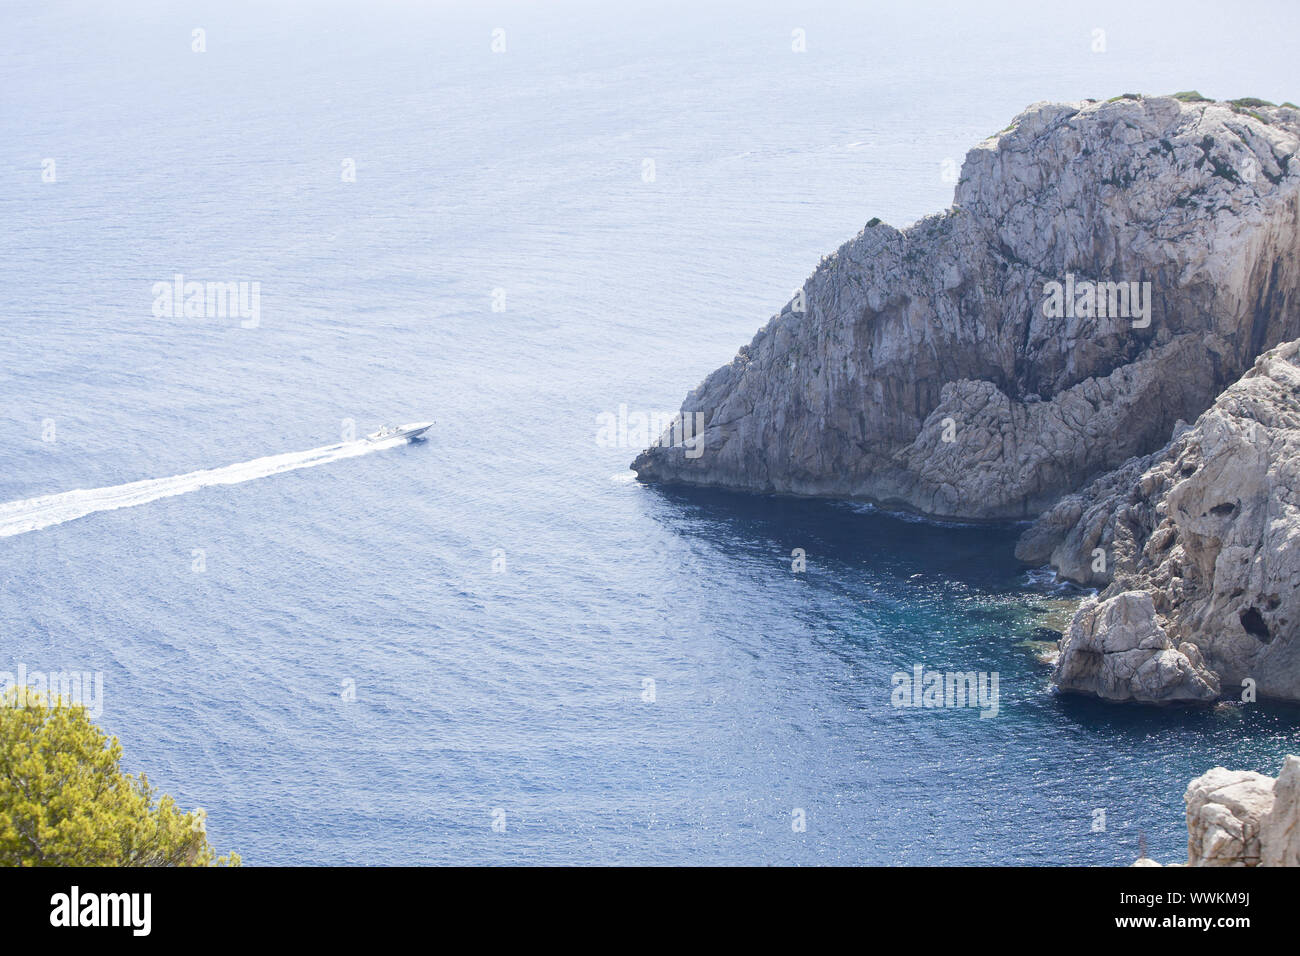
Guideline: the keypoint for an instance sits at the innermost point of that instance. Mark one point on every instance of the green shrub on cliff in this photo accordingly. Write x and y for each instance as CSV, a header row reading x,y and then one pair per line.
x,y
1248,102
64,800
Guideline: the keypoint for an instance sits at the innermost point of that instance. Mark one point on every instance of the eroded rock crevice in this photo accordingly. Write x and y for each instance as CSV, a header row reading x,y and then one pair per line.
x,y
1207,532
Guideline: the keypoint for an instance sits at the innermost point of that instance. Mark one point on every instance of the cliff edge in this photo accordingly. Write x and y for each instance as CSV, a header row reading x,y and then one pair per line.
x,y
1106,270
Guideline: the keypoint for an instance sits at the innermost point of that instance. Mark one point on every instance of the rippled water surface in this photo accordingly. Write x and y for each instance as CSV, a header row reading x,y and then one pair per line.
x,y
500,597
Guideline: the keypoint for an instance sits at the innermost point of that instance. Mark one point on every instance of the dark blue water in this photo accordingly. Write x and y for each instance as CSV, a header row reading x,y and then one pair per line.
x,y
497,597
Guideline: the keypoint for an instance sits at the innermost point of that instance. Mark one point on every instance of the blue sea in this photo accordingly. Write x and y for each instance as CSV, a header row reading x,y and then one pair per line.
x,y
494,646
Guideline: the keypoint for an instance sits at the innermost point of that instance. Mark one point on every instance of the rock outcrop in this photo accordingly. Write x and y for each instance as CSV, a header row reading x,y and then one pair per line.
x,y
1243,818
1279,830
1197,547
1117,649
1225,810
937,368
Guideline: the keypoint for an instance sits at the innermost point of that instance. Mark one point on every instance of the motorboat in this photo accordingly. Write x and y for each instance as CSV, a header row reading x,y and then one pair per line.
x,y
412,430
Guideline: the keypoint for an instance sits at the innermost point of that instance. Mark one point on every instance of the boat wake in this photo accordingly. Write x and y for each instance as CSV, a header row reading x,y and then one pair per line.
x,y
33,514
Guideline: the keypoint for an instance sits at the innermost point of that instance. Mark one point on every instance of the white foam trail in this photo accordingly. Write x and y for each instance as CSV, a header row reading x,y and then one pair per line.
x,y
17,517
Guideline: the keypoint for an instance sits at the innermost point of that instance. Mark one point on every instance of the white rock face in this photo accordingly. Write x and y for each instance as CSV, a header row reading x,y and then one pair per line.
x,y
1279,831
1242,818
1119,650
1208,529
1225,810
927,373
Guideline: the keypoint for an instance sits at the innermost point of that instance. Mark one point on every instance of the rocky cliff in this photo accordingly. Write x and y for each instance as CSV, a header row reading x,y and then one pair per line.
x,y
1198,549
1106,270
1243,818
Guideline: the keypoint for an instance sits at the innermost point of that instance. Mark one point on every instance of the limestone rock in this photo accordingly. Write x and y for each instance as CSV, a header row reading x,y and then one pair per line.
x,y
1243,818
1117,649
1209,529
1279,831
924,370
1225,811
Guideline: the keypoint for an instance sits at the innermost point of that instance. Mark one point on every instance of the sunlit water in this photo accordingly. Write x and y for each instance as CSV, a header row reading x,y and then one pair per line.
x,y
499,598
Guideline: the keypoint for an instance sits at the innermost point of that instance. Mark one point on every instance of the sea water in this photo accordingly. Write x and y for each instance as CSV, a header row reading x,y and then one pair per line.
x,y
493,646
